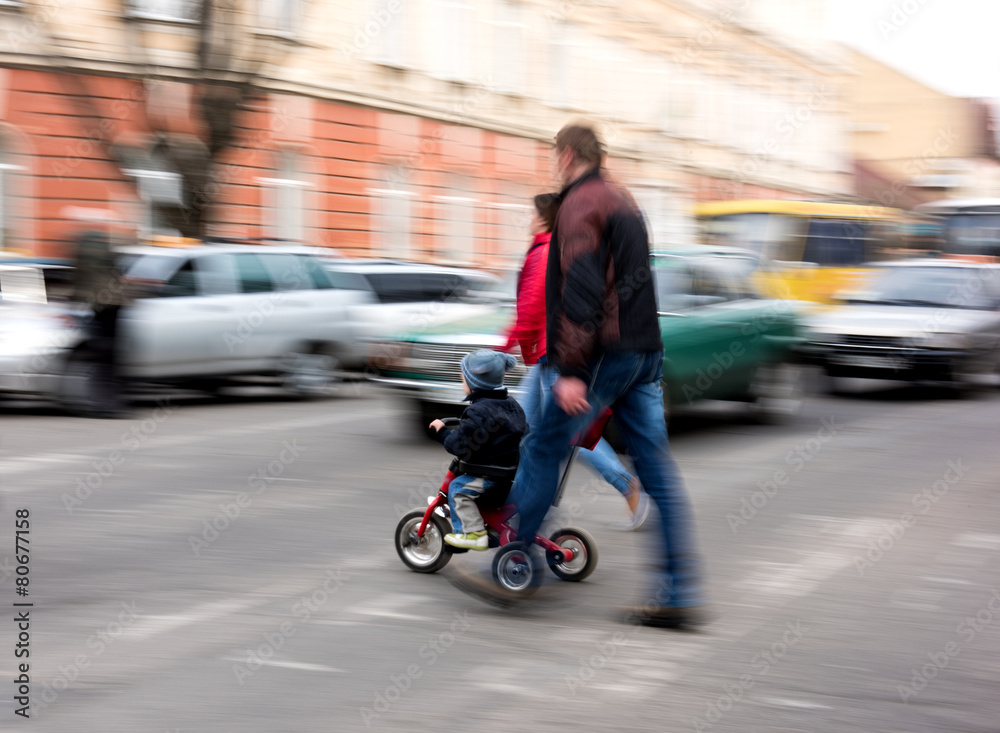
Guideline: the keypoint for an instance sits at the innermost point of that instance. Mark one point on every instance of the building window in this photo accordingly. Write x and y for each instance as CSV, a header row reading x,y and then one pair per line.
x,y
279,16
393,223
647,92
509,52
566,66
682,96
453,35
513,211
287,211
6,174
668,222
611,71
385,29
182,10
12,186
456,223
161,192
160,188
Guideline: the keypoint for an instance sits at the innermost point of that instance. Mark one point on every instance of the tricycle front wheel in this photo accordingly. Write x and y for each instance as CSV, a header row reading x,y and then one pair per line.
x,y
426,554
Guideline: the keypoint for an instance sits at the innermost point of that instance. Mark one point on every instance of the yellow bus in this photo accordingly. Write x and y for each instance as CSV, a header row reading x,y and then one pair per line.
x,y
807,250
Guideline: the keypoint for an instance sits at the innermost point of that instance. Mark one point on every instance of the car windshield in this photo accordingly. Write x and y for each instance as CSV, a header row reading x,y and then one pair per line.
x,y
975,288
154,267
975,234
22,285
491,290
426,286
673,288
347,280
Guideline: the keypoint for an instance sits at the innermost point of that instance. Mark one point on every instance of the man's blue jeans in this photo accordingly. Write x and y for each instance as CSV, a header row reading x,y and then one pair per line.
x,y
629,383
537,394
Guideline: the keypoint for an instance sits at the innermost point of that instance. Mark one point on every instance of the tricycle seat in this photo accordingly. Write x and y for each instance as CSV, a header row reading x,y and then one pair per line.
x,y
501,476
495,473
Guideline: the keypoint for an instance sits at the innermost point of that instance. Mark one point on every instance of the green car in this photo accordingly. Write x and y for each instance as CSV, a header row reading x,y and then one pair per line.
x,y
721,341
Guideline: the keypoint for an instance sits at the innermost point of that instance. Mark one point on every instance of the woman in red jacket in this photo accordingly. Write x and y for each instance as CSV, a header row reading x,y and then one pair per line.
x,y
528,332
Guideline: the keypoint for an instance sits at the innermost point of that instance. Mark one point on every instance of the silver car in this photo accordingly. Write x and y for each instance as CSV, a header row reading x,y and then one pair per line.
x,y
411,296
34,330
202,315
928,319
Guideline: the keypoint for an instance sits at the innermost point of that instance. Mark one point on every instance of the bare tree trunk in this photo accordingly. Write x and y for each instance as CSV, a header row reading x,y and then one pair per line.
x,y
222,93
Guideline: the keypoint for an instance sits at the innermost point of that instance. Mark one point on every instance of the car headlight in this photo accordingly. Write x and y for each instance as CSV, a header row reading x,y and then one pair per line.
x,y
821,337
390,354
947,341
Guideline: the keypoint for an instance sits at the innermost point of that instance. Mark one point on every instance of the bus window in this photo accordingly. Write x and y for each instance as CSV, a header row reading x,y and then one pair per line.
x,y
836,242
772,236
973,234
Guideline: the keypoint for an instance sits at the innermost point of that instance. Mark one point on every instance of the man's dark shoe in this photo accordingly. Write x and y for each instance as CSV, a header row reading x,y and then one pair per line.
x,y
667,617
485,589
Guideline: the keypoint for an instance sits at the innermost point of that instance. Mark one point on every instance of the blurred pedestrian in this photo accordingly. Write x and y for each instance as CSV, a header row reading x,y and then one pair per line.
x,y
528,332
603,338
99,286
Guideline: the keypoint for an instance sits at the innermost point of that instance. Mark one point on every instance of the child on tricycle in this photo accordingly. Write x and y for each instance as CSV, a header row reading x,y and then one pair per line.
x,y
475,488
488,435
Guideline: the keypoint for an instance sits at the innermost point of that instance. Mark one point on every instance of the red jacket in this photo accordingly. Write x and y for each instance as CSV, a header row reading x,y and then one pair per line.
x,y
528,330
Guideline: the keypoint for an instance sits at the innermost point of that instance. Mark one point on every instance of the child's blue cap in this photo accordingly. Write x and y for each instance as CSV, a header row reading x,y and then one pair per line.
x,y
484,369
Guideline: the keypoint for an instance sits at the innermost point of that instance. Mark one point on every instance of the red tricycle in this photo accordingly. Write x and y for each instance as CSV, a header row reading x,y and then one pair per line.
x,y
570,553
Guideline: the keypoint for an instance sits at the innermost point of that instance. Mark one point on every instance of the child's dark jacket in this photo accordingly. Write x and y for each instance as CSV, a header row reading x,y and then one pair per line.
x,y
490,431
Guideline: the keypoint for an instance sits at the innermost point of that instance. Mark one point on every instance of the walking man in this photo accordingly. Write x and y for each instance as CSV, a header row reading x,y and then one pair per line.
x,y
99,285
603,338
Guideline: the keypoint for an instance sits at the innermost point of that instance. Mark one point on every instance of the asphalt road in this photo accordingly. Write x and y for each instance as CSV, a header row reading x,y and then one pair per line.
x,y
228,566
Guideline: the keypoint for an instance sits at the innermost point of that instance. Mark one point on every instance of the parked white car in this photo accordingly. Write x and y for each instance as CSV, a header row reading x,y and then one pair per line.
x,y
222,311
35,332
206,314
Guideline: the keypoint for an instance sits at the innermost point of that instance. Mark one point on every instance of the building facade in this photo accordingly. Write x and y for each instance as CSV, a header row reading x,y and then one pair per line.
x,y
914,144
404,128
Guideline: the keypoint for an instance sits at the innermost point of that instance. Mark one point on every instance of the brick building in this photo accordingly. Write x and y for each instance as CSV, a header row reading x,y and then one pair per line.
x,y
407,128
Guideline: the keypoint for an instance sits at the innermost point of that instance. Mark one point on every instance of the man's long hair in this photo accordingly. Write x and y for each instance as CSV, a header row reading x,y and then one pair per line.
x,y
587,147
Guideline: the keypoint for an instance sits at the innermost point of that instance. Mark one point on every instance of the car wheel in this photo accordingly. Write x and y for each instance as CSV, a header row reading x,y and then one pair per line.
x,y
776,391
977,373
425,413
76,384
211,386
310,374
668,402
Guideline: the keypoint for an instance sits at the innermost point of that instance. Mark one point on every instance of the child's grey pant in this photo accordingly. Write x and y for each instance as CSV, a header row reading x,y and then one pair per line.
x,y
463,492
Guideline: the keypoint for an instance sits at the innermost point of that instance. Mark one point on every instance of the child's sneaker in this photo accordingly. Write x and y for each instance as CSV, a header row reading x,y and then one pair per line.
x,y
469,540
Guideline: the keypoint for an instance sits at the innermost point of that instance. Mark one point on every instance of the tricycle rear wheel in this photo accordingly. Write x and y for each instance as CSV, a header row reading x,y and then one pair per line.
x,y
514,569
584,549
